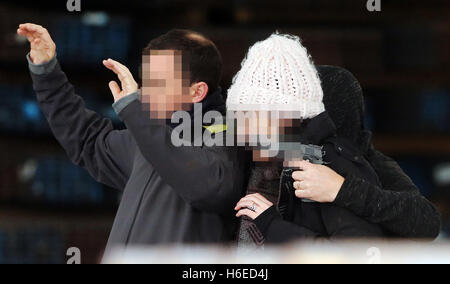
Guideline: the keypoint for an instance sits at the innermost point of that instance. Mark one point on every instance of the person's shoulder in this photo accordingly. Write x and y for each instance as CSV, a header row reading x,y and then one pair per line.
x,y
338,149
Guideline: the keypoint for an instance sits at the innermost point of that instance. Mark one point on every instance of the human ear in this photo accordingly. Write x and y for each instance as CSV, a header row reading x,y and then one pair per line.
x,y
198,92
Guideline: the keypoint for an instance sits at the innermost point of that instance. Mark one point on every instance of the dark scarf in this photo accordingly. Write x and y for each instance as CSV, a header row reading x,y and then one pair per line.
x,y
273,181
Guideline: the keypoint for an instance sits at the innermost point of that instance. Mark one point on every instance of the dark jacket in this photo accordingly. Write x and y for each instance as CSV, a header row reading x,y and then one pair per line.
x,y
312,219
169,194
397,205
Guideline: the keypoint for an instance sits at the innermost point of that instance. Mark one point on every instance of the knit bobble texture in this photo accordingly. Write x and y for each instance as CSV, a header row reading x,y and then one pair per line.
x,y
277,75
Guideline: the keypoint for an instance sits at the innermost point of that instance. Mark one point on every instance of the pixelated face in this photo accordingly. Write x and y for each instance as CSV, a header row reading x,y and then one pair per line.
x,y
258,124
165,83
264,131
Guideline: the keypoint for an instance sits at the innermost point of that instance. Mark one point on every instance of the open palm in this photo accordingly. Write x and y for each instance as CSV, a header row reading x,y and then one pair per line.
x,y
42,46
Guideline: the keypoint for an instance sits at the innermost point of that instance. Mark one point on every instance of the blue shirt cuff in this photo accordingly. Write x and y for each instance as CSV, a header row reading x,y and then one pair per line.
x,y
123,102
44,68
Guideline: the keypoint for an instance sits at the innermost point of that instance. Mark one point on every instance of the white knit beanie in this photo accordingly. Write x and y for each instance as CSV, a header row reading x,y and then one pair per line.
x,y
277,75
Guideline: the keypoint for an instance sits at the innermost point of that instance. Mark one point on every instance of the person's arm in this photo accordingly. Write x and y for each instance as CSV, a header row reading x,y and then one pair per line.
x,y
202,176
276,230
269,221
88,139
205,177
398,206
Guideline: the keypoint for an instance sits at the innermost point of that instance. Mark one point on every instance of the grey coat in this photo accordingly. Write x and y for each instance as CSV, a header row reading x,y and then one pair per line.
x,y
169,194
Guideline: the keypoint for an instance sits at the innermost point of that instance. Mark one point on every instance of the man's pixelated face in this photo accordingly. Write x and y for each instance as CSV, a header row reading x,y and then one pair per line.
x,y
165,83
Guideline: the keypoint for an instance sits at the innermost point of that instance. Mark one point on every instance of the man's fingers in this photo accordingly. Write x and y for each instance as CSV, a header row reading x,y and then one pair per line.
x,y
126,79
121,67
27,34
28,26
115,88
22,32
124,72
113,66
32,31
110,66
33,28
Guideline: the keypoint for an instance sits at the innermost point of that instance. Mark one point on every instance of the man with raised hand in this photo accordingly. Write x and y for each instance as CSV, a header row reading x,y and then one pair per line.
x,y
170,194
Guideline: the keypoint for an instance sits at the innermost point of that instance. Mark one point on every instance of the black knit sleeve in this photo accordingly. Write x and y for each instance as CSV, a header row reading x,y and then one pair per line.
x,y
276,230
398,206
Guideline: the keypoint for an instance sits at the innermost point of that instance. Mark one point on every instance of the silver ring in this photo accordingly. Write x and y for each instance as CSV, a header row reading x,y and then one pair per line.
x,y
253,207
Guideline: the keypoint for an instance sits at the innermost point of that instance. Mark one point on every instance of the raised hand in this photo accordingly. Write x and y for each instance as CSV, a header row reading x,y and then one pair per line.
x,y
127,81
42,46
